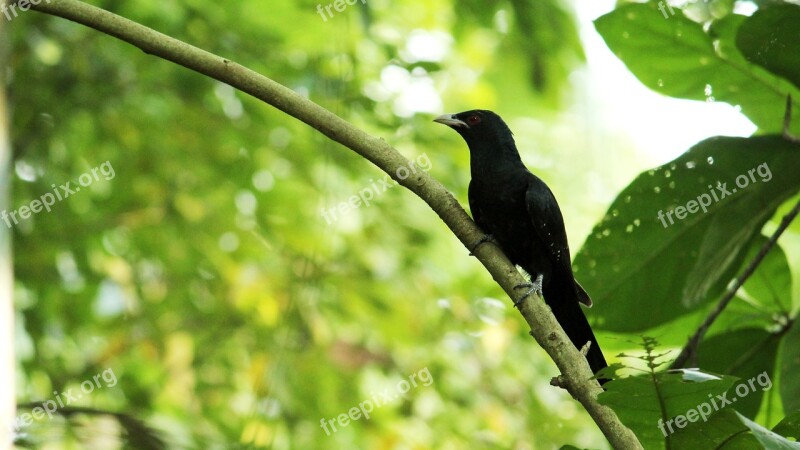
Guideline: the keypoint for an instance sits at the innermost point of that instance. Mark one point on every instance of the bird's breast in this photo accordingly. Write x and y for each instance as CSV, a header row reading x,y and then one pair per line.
x,y
501,211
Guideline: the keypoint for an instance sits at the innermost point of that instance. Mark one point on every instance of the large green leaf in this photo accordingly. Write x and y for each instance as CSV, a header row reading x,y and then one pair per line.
x,y
646,404
789,426
790,367
729,430
642,270
748,354
765,295
770,286
744,341
723,430
770,38
677,57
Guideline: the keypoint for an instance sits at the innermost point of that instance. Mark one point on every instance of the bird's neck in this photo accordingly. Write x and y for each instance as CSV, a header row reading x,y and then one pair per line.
x,y
488,162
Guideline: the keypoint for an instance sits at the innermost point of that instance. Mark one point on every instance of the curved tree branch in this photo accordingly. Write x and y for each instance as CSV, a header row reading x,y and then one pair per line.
x,y
545,329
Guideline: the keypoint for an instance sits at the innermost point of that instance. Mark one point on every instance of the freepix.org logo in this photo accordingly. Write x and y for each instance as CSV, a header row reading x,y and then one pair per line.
x,y
46,201
367,406
715,403
50,407
715,194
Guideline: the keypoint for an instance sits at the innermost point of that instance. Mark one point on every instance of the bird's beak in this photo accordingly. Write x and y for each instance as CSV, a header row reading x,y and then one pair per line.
x,y
451,121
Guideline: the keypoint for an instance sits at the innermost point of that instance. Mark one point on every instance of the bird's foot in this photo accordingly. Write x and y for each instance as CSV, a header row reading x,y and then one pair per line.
x,y
486,238
536,287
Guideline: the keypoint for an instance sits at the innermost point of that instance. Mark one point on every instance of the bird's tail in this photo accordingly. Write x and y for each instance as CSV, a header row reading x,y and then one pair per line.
x,y
565,306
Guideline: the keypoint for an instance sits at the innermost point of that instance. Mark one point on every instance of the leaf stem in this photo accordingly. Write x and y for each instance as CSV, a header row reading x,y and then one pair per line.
x,y
688,355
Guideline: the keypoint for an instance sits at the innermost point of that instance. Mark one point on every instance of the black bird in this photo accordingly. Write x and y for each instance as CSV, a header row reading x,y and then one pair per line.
x,y
521,214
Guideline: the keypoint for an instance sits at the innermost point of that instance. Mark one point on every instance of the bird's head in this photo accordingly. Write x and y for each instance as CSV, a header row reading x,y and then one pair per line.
x,y
477,126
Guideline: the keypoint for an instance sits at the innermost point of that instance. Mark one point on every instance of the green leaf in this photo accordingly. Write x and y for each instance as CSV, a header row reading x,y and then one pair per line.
x,y
789,426
722,430
748,354
638,401
770,37
677,57
790,367
771,284
642,270
767,438
765,295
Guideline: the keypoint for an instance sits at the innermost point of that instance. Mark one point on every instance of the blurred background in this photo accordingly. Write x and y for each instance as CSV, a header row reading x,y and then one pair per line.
x,y
205,274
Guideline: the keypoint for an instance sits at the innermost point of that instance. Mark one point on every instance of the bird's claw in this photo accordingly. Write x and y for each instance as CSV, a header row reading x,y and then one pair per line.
x,y
527,293
536,287
486,238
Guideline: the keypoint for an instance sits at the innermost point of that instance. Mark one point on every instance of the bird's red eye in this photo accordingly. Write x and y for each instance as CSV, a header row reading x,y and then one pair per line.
x,y
474,119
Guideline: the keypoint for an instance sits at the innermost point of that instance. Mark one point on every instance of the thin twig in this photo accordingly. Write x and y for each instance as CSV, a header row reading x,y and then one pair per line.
x,y
787,122
689,351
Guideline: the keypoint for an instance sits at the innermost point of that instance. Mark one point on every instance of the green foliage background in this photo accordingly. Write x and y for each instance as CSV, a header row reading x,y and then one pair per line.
x,y
232,313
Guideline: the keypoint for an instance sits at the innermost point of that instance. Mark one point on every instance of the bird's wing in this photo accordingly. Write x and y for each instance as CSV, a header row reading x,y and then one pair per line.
x,y
548,222
546,218
474,209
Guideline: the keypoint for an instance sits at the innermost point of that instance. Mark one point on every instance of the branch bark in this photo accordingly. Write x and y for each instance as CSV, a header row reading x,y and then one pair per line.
x,y
544,327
